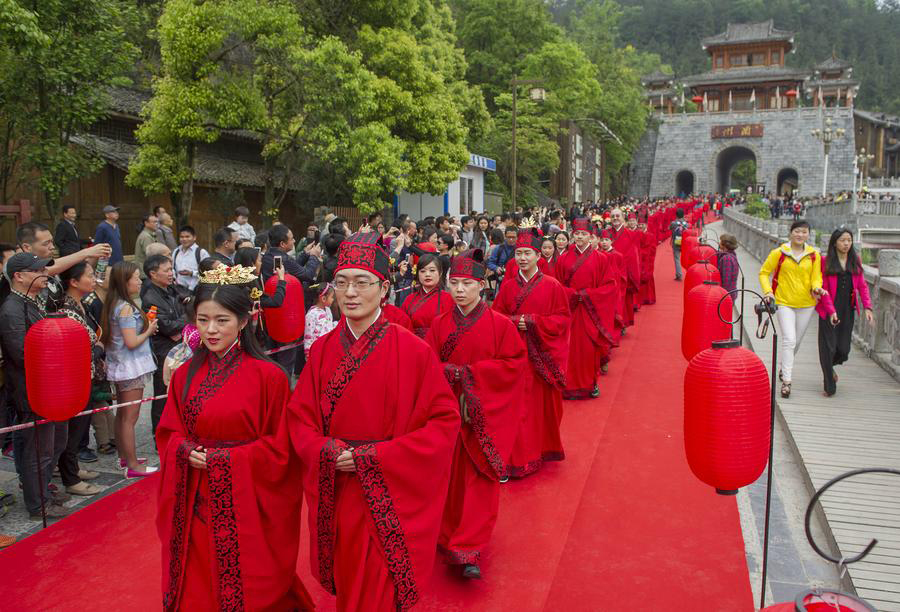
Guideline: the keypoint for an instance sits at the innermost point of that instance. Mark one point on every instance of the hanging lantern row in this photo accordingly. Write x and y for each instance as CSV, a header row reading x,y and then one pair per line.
x,y
707,310
699,273
287,322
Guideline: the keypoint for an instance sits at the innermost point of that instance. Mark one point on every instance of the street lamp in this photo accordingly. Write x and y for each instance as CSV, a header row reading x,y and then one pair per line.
x,y
862,161
826,136
537,94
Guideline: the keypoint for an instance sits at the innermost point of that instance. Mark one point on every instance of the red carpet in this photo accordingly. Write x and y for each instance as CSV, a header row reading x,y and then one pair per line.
x,y
621,524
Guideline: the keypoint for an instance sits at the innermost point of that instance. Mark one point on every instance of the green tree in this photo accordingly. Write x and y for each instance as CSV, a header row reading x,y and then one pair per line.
x,y
54,63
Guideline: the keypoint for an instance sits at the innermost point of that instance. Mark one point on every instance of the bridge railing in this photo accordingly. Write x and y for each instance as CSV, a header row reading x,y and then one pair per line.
x,y
864,206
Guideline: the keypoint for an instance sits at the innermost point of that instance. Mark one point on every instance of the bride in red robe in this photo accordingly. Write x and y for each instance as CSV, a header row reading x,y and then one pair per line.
x,y
627,242
428,299
648,259
374,424
539,307
229,490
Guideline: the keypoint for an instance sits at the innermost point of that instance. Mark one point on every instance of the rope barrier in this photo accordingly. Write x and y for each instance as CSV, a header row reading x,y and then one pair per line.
x,y
11,428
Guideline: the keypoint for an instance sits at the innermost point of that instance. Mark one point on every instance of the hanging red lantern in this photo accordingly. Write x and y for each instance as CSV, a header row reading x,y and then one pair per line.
x,y
287,322
688,232
822,600
58,367
686,245
791,93
707,252
698,100
698,273
726,416
701,324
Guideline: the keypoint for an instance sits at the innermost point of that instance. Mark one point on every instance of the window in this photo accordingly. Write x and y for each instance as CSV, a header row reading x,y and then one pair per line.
x,y
579,168
466,196
597,156
756,59
737,60
712,105
578,191
577,144
720,61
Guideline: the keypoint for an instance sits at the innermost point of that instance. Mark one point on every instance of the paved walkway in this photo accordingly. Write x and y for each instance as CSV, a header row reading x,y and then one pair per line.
x,y
859,427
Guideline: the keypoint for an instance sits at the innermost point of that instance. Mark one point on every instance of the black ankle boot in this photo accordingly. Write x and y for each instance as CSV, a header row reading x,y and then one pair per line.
x,y
471,571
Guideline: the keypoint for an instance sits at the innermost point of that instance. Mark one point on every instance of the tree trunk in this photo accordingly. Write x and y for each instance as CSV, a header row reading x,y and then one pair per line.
x,y
187,188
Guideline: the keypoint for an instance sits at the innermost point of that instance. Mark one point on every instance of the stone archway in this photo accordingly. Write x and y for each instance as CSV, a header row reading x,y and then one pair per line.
x,y
788,181
684,183
726,160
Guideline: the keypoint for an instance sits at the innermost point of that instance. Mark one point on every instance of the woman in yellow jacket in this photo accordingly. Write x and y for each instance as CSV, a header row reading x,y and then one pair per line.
x,y
792,277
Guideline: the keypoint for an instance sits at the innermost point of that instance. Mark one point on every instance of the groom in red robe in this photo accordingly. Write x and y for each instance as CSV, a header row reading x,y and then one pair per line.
x,y
593,296
628,243
374,424
539,307
483,359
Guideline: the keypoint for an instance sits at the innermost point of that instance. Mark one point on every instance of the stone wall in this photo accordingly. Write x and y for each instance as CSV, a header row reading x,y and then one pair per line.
x,y
881,342
685,143
642,163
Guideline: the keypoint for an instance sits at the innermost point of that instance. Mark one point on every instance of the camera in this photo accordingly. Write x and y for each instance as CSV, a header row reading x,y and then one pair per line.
x,y
765,306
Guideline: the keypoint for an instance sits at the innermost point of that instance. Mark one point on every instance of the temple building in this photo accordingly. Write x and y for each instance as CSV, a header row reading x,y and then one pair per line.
x,y
752,105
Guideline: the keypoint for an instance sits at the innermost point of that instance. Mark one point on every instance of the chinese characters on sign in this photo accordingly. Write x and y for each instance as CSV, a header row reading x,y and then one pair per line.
x,y
747,130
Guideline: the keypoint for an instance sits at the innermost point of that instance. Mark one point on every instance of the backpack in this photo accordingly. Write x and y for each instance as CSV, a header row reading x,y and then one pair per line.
x,y
677,228
175,257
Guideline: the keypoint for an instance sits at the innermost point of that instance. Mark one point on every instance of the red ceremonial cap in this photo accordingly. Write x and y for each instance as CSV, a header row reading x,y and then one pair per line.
x,y
582,224
362,251
529,238
606,234
632,216
469,264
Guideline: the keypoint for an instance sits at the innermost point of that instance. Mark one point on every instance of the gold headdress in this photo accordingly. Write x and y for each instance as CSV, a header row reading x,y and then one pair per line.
x,y
528,223
228,275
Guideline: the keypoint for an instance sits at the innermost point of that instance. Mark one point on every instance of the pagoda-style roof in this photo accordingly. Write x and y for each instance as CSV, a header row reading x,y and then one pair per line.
x,y
744,33
833,64
657,78
654,94
814,83
749,74
889,121
210,169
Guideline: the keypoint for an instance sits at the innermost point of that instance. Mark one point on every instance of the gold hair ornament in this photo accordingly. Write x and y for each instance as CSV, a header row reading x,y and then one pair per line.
x,y
229,275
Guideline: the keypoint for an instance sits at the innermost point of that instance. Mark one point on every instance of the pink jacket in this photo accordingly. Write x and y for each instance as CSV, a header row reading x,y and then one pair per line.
x,y
825,307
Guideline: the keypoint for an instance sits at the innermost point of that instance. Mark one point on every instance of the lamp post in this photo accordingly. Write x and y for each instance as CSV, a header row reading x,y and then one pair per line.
x,y
862,162
537,94
826,136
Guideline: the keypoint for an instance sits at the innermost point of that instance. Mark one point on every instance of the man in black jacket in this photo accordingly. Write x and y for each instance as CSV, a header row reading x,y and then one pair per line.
x,y
161,292
66,238
27,275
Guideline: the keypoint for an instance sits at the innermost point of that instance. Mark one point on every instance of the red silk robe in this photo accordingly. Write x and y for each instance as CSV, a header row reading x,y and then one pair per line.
x,y
483,359
229,533
549,265
396,315
593,295
545,306
373,532
647,293
617,271
512,268
628,243
423,307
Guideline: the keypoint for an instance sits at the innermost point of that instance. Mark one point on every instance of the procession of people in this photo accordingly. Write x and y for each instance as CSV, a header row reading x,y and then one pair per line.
x,y
429,377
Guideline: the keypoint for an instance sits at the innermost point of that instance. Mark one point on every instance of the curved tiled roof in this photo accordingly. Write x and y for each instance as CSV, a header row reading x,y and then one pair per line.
x,y
762,31
657,77
749,74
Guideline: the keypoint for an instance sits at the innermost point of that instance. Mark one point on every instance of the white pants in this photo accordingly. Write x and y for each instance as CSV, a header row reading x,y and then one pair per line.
x,y
793,323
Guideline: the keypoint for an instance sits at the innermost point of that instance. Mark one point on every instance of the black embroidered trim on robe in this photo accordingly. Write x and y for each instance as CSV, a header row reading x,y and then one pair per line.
x,y
178,543
521,471
219,372
525,289
224,529
325,525
463,324
582,257
347,367
460,557
387,524
476,422
540,357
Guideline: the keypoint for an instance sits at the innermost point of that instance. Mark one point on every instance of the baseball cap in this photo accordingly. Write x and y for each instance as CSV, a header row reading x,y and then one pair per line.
x,y
21,262
109,208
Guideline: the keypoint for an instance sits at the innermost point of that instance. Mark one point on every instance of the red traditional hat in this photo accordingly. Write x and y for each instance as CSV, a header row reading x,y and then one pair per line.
x,y
469,264
631,215
529,238
606,234
582,224
362,251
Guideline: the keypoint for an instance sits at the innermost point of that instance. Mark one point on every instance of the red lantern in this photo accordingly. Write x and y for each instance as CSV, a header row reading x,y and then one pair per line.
x,y
698,100
699,273
58,367
823,601
701,324
726,416
688,232
287,322
707,252
791,93
686,245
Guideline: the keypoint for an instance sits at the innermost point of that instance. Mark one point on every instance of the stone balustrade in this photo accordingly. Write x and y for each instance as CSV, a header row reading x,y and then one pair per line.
x,y
881,341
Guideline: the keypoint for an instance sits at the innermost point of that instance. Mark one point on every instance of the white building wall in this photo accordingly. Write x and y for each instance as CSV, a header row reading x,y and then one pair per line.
x,y
421,205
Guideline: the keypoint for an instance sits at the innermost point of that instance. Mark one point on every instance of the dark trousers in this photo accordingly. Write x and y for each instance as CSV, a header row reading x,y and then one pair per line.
x,y
159,388
50,441
834,346
68,460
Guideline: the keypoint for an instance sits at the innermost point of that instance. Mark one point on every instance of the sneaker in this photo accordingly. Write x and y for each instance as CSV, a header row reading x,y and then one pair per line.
x,y
471,572
129,473
53,511
83,489
678,278
88,475
87,456
59,497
